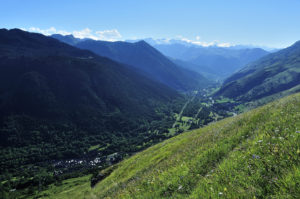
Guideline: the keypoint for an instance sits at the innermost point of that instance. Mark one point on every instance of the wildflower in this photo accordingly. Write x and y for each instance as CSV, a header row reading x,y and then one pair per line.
x,y
255,156
297,131
225,189
259,141
180,187
220,193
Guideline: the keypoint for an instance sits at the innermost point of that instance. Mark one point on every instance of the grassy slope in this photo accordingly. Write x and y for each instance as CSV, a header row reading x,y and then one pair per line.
x,y
252,155
74,188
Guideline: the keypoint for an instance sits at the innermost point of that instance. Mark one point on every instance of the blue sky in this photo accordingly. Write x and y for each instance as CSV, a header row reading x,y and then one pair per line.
x,y
273,23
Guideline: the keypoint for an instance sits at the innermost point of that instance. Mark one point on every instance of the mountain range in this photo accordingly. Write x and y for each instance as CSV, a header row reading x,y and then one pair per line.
x,y
218,62
212,62
145,58
275,74
66,74
71,109
198,43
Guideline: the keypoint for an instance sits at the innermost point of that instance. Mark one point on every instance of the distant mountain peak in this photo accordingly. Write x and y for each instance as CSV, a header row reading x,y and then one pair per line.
x,y
69,39
68,36
297,43
142,42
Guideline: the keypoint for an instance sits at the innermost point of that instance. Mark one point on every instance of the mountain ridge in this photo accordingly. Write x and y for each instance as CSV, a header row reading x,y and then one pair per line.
x,y
144,57
269,75
222,61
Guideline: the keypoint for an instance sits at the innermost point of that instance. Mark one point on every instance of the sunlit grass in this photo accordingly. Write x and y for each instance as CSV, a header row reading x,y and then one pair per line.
x,y
252,155
74,188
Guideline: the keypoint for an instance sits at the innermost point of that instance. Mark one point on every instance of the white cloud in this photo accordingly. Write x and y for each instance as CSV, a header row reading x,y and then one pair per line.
x,y
106,35
48,31
85,33
109,35
224,45
203,43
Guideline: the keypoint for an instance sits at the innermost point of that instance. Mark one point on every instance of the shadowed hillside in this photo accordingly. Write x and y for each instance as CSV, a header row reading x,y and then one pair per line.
x,y
59,105
145,58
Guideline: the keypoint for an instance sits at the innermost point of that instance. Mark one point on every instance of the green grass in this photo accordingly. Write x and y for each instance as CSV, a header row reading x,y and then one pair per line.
x,y
224,100
241,108
252,155
181,122
94,147
74,188
186,118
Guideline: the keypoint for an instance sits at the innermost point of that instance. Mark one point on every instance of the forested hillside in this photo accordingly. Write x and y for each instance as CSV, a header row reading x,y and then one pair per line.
x,y
273,76
145,58
64,110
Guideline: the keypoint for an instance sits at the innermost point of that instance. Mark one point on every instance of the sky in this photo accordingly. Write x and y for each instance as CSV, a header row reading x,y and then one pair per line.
x,y
270,23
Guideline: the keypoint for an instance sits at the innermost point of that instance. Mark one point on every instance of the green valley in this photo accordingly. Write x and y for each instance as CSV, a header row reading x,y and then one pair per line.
x,y
149,99
67,112
253,155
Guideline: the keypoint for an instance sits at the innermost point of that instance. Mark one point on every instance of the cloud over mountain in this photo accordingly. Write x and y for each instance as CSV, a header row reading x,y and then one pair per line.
x,y
105,35
203,43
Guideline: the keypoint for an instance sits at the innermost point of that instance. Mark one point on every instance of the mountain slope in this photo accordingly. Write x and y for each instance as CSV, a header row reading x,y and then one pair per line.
x,y
205,71
145,58
57,101
222,61
69,39
44,62
270,75
252,155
